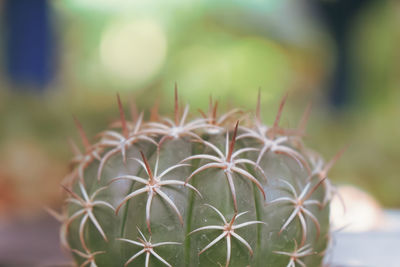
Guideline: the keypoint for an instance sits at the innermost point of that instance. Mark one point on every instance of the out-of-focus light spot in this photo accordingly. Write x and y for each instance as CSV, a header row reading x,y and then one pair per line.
x,y
110,5
121,6
361,212
133,51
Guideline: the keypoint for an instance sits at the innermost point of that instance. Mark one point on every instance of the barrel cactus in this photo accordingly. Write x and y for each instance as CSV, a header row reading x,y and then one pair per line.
x,y
213,191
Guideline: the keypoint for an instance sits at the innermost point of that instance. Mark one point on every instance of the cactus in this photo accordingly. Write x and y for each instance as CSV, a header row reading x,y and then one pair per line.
x,y
215,191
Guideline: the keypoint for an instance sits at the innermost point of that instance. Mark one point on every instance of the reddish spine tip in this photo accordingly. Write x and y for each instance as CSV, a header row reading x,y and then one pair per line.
x,y
281,106
304,119
202,113
148,226
332,162
214,113
233,219
315,187
69,191
146,163
85,140
233,141
154,111
275,128
74,147
122,117
66,188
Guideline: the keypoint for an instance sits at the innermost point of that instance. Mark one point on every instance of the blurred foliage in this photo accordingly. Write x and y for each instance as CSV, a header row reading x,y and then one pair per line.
x,y
208,51
375,50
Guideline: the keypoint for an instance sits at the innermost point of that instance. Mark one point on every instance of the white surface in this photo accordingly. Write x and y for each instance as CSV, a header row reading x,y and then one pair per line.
x,y
377,248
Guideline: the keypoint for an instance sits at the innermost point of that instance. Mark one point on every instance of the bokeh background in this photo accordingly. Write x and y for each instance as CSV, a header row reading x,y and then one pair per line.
x,y
59,58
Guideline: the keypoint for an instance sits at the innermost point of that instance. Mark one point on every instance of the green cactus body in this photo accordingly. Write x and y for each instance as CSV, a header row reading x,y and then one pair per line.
x,y
200,193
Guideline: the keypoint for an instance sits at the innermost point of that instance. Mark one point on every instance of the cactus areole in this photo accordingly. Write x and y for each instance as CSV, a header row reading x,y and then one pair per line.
x,y
211,191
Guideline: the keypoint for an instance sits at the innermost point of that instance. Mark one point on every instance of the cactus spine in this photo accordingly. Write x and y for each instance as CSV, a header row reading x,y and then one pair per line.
x,y
212,191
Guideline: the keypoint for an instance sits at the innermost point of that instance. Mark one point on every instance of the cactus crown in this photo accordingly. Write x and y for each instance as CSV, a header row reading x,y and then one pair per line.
x,y
216,190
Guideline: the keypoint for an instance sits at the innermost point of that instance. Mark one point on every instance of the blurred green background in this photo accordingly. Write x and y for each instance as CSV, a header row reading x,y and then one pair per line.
x,y
59,58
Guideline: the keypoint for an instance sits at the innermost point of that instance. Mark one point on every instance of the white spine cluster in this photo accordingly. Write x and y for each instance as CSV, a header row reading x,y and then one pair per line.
x,y
274,139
